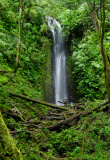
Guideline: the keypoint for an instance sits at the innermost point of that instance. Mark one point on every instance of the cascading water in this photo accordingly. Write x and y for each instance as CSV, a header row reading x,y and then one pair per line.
x,y
59,61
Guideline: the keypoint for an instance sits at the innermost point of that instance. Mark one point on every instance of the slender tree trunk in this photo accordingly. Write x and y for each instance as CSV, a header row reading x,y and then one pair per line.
x,y
106,61
100,29
19,35
8,149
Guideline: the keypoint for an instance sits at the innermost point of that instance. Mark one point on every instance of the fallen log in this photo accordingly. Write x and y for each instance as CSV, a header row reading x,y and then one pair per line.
x,y
58,125
63,122
72,113
82,114
55,114
21,123
52,118
104,103
38,101
14,132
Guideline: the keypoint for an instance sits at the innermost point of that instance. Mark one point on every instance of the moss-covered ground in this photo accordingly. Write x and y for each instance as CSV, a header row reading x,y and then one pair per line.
x,y
86,138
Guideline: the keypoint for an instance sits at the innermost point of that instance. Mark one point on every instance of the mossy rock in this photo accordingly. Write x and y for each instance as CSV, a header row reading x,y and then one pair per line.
x,y
8,149
3,80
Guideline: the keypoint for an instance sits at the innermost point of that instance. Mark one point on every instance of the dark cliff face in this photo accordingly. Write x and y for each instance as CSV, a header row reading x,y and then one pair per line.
x,y
47,73
72,41
71,86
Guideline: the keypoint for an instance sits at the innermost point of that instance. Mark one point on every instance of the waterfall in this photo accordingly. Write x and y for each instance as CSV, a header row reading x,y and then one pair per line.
x,y
59,61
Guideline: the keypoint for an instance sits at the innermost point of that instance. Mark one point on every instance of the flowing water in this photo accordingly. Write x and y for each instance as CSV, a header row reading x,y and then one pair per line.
x,y
59,61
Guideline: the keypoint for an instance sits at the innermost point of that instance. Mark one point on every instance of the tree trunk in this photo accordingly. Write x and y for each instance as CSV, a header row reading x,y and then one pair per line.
x,y
19,35
106,61
8,149
100,31
38,101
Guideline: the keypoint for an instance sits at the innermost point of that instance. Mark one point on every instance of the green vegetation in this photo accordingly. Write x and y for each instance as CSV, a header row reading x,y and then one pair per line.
x,y
88,68
85,138
8,149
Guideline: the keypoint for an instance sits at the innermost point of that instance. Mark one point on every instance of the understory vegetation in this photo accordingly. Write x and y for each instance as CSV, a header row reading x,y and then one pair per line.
x,y
87,137
84,138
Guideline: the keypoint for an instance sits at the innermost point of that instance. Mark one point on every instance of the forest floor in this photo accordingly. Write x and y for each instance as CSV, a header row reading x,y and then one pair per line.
x,y
81,131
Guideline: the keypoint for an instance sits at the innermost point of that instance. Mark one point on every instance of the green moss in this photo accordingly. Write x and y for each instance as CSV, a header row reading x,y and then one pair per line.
x,y
1,148
47,79
3,79
7,146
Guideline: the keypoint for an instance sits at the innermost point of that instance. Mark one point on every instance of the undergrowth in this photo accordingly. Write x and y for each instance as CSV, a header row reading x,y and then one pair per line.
x,y
87,138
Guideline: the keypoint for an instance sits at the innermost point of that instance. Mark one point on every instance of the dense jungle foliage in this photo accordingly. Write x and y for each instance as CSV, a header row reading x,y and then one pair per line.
x,y
26,68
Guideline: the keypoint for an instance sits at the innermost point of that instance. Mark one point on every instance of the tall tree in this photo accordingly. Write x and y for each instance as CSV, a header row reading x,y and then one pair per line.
x,y
100,29
21,4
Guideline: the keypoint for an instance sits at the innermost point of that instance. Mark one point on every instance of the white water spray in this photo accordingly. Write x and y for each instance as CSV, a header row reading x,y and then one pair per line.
x,y
59,61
